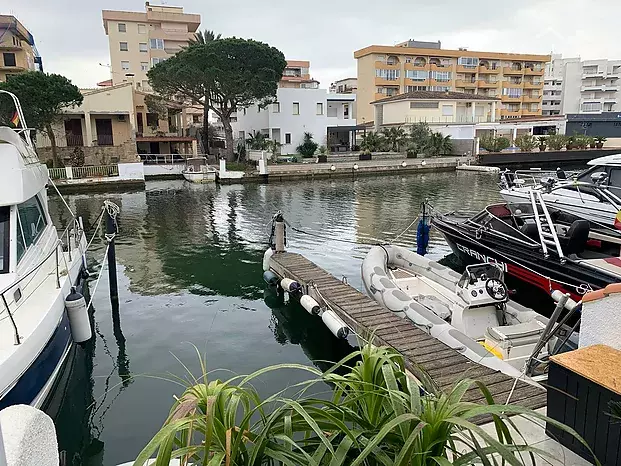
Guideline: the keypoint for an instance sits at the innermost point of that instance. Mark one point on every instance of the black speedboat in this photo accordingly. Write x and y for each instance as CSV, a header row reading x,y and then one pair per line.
x,y
547,248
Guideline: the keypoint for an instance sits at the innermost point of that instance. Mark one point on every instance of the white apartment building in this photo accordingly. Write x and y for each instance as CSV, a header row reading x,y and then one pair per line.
x,y
140,40
328,117
572,85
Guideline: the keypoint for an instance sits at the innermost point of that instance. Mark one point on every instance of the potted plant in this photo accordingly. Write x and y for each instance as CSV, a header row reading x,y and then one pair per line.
x,y
323,155
581,142
556,141
543,143
591,141
410,153
569,142
365,155
308,147
526,142
599,141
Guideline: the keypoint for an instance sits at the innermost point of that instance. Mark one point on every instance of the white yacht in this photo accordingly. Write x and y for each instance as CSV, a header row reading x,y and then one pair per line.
x,y
38,267
197,170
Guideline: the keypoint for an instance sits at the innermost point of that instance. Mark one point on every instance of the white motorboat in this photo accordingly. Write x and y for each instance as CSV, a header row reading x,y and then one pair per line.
x,y
197,170
470,313
38,267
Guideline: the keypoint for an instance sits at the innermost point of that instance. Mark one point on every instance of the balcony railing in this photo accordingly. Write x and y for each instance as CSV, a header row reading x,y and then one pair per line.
x,y
68,173
449,119
105,140
512,70
74,140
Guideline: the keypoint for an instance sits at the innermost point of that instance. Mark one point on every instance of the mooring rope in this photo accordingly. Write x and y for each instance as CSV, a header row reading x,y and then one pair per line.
x,y
103,263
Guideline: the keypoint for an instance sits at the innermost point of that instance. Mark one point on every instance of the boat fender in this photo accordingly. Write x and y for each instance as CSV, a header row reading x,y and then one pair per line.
x,y
270,278
338,328
78,316
290,285
570,305
266,259
311,306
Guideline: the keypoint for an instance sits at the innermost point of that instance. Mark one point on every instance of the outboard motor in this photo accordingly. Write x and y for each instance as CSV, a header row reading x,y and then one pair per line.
x,y
560,174
508,179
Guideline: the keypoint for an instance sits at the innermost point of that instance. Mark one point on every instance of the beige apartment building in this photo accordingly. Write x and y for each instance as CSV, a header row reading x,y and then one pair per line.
x,y
296,75
17,49
140,40
385,71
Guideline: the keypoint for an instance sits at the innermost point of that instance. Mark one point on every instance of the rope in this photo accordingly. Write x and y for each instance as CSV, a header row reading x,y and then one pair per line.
x,y
61,197
408,227
103,263
96,229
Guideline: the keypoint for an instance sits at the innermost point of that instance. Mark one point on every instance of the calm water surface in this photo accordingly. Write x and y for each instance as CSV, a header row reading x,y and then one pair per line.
x,y
190,278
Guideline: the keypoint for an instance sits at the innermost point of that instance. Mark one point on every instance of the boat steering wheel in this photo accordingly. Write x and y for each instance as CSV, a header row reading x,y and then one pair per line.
x,y
496,289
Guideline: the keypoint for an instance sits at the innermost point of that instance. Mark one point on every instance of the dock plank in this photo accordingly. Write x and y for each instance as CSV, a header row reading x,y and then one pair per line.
x,y
424,355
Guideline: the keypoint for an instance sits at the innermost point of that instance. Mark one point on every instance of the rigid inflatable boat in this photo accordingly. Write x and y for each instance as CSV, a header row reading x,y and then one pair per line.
x,y
470,313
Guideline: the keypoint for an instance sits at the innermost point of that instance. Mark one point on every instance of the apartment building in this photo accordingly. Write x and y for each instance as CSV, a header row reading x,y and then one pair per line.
x,y
572,85
140,40
296,75
344,86
17,48
385,71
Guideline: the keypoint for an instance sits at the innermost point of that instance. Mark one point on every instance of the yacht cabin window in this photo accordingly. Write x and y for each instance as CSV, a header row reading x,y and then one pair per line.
x,y
30,225
4,238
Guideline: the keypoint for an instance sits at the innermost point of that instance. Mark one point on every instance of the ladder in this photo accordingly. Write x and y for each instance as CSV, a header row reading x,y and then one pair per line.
x,y
548,238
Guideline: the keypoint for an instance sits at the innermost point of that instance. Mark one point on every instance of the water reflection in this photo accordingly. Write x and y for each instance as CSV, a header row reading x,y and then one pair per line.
x,y
189,273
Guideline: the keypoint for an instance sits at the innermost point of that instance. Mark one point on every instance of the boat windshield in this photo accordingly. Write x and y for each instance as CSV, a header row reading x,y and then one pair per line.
x,y
483,272
5,213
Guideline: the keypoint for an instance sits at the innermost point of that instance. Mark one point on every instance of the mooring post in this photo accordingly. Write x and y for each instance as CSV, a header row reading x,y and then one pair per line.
x,y
279,233
111,230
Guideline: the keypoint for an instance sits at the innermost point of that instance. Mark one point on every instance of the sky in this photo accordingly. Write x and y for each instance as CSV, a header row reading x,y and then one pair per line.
x,y
70,37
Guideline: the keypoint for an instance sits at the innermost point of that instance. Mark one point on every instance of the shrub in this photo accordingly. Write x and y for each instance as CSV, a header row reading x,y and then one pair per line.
x,y
373,142
556,141
526,142
494,144
581,141
308,146
77,157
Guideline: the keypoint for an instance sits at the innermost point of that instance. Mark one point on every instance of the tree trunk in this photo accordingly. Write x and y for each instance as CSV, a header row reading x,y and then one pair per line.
x,y
50,134
205,132
228,135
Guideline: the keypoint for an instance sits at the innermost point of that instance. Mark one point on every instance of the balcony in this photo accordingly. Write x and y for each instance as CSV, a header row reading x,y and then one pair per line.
x,y
511,70
531,98
533,71
386,66
586,74
532,84
411,82
488,84
531,112
510,98
467,69
439,67
415,67
599,87
465,83
387,82
486,70
513,85
510,113
12,68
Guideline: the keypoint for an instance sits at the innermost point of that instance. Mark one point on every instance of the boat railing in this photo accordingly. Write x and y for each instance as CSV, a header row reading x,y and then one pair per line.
x,y
64,239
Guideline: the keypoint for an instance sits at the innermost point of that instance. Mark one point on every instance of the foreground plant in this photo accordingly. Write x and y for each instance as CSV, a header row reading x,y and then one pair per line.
x,y
377,416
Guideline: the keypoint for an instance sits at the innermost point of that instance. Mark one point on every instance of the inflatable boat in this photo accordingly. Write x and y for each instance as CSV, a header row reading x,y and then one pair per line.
x,y
470,313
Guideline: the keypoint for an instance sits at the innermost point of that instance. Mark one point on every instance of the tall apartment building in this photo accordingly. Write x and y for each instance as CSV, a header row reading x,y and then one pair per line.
x,y
140,40
572,85
17,48
345,86
296,75
384,71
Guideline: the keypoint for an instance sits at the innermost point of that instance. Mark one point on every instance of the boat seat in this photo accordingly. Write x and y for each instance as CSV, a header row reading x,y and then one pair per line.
x,y
530,229
575,241
518,334
435,305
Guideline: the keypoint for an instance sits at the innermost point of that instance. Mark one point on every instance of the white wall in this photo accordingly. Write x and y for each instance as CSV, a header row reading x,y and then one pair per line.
x,y
307,121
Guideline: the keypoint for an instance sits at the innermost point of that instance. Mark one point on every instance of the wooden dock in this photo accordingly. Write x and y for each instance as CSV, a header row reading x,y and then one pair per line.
x,y
424,356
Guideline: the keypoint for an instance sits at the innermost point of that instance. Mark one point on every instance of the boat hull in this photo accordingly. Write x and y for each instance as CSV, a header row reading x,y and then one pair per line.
x,y
199,177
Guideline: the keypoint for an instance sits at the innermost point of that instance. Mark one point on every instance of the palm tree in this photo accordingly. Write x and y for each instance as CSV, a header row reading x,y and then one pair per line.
x,y
395,137
372,142
202,37
257,141
439,144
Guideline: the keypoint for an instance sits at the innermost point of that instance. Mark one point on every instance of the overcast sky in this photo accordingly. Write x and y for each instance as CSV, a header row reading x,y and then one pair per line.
x,y
70,36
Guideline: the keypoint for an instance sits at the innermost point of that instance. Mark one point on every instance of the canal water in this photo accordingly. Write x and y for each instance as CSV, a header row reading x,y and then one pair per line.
x,y
190,281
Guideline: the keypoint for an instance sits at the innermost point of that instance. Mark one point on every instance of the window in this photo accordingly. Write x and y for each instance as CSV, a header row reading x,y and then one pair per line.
x,y
390,75
447,110
152,120
415,88
144,66
346,111
614,178
142,29
155,61
468,62
390,91
142,46
196,119
145,84
423,104
5,232
296,108
276,107
319,108
512,92
416,75
157,44
591,107
258,109
441,76
123,46
122,27
439,88
287,138
125,65
32,222
9,59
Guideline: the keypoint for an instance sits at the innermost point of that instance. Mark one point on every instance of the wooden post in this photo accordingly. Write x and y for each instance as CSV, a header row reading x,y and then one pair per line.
x,y
114,287
279,233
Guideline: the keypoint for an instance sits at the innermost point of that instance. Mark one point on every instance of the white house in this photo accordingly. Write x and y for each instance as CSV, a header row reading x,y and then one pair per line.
x,y
328,117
